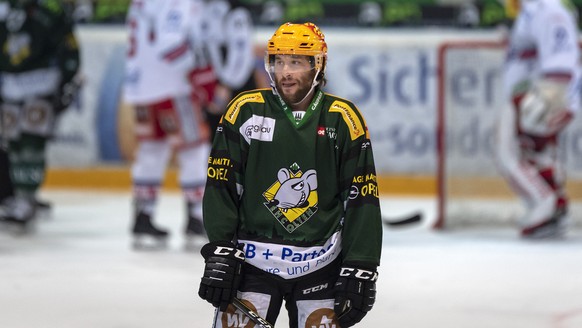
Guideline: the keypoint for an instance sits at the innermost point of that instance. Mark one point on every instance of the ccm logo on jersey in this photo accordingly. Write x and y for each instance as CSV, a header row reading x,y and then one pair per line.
x,y
359,273
314,289
225,251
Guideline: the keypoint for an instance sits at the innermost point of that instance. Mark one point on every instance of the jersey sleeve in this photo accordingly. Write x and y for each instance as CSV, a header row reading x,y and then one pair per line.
x,y
225,179
362,229
65,43
556,35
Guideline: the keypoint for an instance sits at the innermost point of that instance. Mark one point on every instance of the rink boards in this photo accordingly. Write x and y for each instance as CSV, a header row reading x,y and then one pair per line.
x,y
119,177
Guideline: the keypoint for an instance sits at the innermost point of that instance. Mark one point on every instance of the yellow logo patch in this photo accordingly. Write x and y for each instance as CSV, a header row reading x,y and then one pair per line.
x,y
349,115
234,109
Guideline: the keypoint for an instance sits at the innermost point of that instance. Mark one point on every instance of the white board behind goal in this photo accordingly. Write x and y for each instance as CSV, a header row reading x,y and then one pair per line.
x,y
470,94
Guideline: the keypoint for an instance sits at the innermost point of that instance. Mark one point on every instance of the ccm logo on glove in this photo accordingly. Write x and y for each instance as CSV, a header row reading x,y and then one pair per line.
x,y
225,251
359,273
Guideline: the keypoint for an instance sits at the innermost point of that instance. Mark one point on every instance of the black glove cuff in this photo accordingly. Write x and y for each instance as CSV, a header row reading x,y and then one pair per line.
x,y
222,249
358,273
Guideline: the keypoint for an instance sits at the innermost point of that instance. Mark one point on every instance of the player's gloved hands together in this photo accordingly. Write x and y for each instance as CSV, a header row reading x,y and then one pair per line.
x,y
543,109
355,294
222,273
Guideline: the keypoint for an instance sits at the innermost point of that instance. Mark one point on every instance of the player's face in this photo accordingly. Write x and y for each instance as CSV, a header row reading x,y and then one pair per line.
x,y
293,77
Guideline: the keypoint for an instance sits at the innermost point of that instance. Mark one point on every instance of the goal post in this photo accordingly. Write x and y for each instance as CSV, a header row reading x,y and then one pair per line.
x,y
470,94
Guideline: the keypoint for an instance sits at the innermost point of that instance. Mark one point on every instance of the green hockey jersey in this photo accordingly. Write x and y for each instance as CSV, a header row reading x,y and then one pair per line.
x,y
36,35
297,192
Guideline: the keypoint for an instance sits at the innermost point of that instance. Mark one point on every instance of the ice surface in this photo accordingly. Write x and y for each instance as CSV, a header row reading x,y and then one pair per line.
x,y
77,270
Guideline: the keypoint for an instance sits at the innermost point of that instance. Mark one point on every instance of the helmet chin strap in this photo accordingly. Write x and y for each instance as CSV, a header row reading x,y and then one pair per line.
x,y
313,85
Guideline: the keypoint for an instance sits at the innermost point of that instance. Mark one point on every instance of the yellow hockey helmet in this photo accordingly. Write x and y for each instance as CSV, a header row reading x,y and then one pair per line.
x,y
298,39
512,8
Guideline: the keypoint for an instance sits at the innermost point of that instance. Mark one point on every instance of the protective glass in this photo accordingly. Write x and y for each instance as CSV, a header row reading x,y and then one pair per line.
x,y
289,64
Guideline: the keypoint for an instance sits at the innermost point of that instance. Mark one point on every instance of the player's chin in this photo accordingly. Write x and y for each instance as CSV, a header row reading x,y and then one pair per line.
x,y
289,96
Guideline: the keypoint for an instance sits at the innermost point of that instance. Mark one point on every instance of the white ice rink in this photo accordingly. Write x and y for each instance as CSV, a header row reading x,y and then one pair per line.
x,y
78,271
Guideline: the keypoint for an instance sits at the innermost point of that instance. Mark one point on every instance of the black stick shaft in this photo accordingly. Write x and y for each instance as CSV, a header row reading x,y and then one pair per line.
x,y
259,321
409,219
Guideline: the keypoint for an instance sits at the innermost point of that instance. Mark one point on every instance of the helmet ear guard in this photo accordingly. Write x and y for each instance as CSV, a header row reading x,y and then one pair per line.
x,y
320,77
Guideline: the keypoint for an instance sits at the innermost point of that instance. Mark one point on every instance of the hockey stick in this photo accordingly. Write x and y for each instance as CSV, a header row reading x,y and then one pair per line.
x,y
254,316
409,219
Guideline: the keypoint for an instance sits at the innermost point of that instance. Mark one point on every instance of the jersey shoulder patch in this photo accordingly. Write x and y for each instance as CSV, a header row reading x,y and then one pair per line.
x,y
356,125
235,105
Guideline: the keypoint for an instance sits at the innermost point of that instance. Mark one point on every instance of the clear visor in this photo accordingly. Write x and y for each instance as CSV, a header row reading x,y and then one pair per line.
x,y
289,63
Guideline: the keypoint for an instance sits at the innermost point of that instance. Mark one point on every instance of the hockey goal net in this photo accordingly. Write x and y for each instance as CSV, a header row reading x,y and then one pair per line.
x,y
470,94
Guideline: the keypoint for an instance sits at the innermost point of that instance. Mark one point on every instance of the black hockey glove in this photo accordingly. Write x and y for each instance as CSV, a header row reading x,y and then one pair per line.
x,y
355,294
222,274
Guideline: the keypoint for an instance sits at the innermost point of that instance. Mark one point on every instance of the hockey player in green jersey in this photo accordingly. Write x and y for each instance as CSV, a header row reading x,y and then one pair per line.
x,y
291,205
39,60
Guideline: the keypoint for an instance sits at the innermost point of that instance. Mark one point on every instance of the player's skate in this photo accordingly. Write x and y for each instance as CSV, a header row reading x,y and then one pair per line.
x,y
18,214
146,235
553,228
43,209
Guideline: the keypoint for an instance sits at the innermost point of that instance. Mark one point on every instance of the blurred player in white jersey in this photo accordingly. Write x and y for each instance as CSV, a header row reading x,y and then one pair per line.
x,y
228,37
169,109
542,81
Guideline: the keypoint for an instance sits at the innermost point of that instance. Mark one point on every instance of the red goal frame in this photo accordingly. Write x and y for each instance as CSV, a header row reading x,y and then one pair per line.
x,y
441,147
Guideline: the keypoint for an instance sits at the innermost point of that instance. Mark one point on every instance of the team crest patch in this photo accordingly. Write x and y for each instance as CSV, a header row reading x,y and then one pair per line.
x,y
292,199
